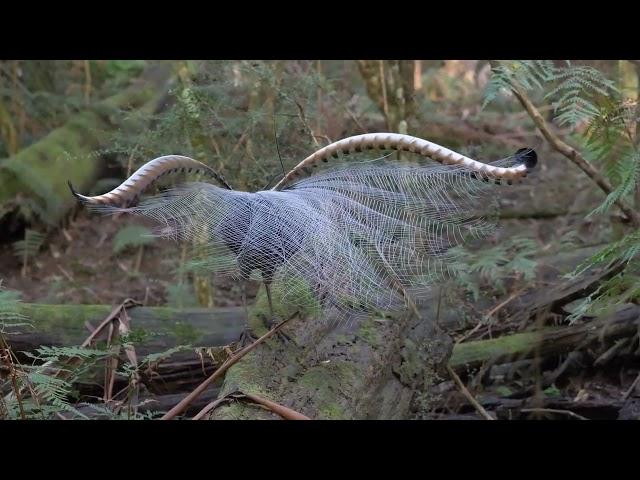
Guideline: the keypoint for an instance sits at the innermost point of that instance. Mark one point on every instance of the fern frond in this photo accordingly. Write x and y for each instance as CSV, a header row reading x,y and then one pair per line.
x,y
576,91
29,246
10,317
132,236
628,169
527,74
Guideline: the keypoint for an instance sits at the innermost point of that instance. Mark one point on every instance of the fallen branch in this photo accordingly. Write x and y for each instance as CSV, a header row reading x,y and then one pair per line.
x,y
285,412
468,395
553,410
223,368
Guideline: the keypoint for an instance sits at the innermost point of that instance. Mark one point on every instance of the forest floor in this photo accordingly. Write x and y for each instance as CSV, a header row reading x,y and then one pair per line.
x,y
79,266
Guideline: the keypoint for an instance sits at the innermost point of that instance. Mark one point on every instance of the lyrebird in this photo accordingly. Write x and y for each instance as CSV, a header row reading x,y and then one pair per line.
x,y
355,238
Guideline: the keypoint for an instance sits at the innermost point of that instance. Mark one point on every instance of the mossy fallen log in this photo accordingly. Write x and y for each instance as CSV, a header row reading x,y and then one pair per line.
x,y
154,328
547,341
37,175
362,369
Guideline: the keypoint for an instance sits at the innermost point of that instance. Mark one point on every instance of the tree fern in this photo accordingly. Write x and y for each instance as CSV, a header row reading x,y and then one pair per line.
x,y
10,317
529,75
628,172
575,92
28,247
621,288
513,257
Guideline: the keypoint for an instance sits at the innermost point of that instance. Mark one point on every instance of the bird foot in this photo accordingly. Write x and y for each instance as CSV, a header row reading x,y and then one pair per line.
x,y
272,322
247,337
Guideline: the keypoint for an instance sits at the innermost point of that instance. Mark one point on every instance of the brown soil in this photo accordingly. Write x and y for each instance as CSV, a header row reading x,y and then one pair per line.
x,y
77,265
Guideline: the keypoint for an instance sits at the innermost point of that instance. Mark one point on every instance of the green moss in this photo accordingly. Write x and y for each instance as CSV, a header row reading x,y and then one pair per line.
x,y
325,382
234,411
469,352
185,333
246,375
48,318
332,411
370,332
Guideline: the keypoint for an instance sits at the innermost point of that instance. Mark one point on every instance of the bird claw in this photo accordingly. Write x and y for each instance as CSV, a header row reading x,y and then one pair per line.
x,y
247,337
270,323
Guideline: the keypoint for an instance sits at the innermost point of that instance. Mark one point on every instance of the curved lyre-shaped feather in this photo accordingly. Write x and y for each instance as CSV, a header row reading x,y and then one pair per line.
x,y
129,190
354,239
396,141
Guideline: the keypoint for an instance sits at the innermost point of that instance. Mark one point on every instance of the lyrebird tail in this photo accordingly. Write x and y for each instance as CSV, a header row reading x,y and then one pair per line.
x,y
128,192
407,143
355,238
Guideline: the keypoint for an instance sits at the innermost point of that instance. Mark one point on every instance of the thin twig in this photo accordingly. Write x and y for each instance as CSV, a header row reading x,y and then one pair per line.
x,y
303,119
554,410
65,273
212,405
631,388
125,329
229,362
502,304
285,412
111,364
468,395
383,85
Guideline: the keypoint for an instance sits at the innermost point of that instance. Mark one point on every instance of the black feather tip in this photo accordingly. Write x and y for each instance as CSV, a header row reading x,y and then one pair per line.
x,y
528,156
76,194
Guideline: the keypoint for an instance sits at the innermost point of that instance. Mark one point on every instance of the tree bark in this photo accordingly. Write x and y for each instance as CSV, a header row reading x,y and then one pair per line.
x,y
373,368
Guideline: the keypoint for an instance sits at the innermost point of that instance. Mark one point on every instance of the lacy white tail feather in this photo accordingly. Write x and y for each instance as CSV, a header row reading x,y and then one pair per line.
x,y
349,240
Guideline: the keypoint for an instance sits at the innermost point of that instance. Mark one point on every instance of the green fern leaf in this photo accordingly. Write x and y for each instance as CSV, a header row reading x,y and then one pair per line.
x,y
132,236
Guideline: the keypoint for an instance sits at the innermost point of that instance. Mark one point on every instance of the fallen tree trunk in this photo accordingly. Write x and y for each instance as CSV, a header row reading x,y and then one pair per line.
x,y
38,174
158,328
368,369
547,341
155,330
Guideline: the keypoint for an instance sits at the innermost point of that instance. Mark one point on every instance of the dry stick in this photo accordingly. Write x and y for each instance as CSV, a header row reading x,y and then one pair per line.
x,y
303,119
385,104
111,364
285,412
179,408
129,350
497,308
5,346
630,390
128,303
212,405
572,154
468,395
554,410
489,314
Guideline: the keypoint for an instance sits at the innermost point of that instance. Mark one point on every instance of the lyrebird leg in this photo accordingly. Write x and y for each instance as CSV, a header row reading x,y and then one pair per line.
x,y
268,289
247,336
271,321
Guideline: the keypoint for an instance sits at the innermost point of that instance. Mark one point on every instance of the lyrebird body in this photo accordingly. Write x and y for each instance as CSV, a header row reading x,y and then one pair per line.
x,y
360,237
